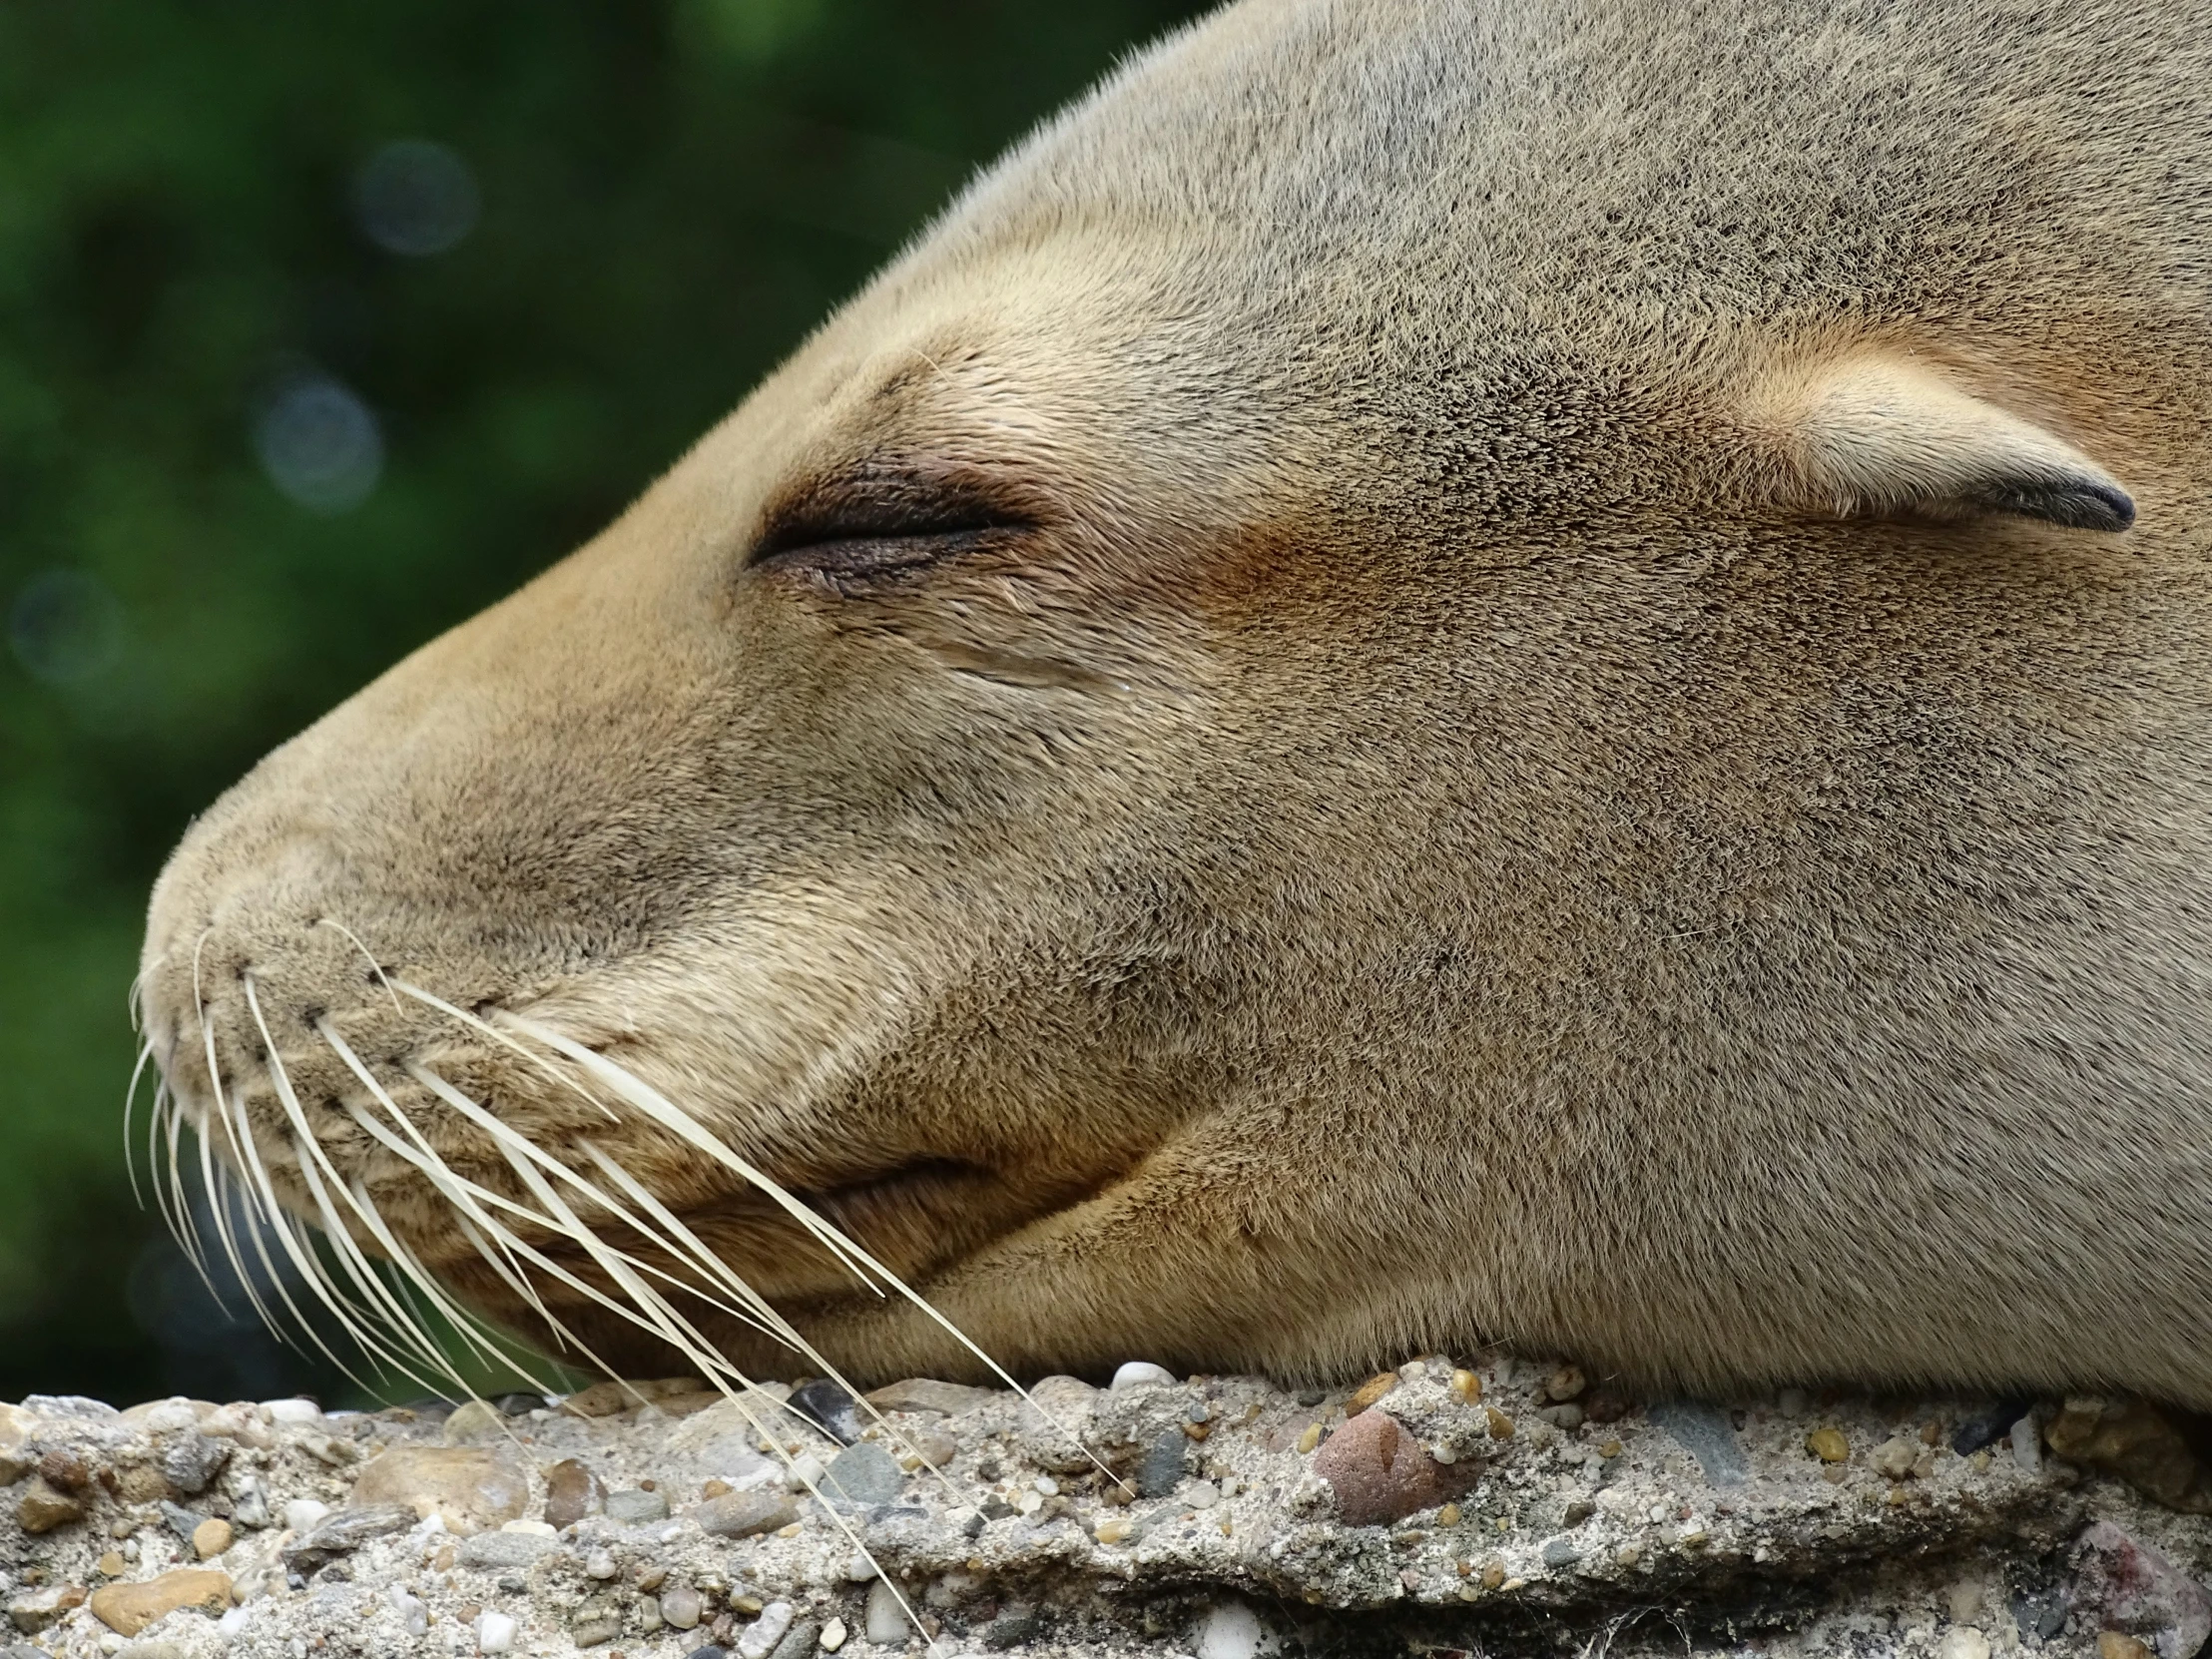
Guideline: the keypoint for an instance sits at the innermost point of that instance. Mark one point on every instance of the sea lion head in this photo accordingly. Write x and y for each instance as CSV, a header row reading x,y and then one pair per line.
x,y
1295,735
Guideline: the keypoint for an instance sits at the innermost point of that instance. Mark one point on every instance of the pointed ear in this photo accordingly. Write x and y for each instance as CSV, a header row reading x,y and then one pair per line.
x,y
1881,435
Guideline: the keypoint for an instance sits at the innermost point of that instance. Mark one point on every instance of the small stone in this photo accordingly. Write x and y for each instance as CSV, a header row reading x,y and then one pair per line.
x,y
473,1422
1113,1529
599,1564
1828,1444
572,1492
861,1476
886,1622
248,1500
128,1609
469,1488
1502,1426
414,1616
1203,1495
934,1448
800,1641
111,1565
1962,1642
36,1609
745,1515
831,1409
2139,1591
922,1394
2027,1444
1568,1416
1560,1552
1053,1421
605,1400
1141,1373
1161,1470
1709,1434
345,1532
1467,1386
1309,1438
191,1461
1567,1382
682,1607
1367,1393
1448,1515
495,1632
292,1411
1894,1458
2137,1442
635,1506
759,1640
2112,1645
211,1538
503,1550
65,1469
1580,1511
45,1507
1381,1473
1791,1402
1230,1630
832,1635
1493,1572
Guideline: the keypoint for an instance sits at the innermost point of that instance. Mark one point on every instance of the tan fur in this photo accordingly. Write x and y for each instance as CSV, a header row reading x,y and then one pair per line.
x,y
1514,784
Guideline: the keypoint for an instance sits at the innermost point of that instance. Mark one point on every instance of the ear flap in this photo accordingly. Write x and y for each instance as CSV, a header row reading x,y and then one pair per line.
x,y
1878,434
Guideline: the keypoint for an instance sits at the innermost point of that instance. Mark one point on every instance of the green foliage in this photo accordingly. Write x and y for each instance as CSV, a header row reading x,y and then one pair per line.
x,y
654,201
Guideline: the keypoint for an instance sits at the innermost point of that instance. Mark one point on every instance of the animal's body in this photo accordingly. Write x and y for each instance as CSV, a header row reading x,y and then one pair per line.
x,y
1439,671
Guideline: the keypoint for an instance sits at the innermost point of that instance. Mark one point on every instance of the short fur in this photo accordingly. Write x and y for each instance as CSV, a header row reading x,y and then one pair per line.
x,y
1417,792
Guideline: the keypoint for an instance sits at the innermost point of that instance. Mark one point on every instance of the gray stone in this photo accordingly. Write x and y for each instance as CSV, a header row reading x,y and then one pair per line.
x,y
634,1506
744,1515
1706,1434
829,1407
494,1551
1560,1552
343,1534
861,1476
1161,1470
189,1461
572,1492
2140,1591
183,1522
798,1642
925,1393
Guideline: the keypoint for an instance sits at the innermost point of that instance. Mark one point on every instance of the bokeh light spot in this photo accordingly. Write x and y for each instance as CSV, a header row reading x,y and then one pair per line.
x,y
65,628
416,197
319,443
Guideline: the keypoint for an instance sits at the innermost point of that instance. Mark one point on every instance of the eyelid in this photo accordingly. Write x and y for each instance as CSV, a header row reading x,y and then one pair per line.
x,y
877,503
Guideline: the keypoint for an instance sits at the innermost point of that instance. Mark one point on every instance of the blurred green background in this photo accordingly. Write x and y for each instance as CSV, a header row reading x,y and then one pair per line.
x,y
322,326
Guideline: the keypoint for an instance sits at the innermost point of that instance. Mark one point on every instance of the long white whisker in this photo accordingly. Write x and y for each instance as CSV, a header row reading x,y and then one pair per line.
x,y
485,1029
374,966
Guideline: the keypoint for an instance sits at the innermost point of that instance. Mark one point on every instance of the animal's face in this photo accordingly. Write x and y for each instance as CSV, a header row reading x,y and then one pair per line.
x,y
1145,676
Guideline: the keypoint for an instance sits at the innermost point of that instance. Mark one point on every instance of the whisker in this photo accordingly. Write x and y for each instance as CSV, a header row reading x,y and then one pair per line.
x,y
374,966
487,1029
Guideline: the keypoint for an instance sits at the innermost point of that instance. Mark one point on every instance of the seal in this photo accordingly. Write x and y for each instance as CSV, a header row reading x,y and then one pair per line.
x,y
1534,671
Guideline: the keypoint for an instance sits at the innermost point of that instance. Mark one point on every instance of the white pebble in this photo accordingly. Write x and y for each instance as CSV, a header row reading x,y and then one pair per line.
x,y
1140,1373
412,1615
755,1641
599,1564
1029,1503
858,1569
1230,1631
2027,1444
1203,1495
1412,1371
232,1623
886,1620
303,1514
111,1643
1963,1642
805,1470
669,1535
833,1636
531,1528
1047,1485
292,1411
495,1632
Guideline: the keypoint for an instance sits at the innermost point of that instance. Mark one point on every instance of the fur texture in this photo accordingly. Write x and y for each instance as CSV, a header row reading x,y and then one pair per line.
x,y
1331,721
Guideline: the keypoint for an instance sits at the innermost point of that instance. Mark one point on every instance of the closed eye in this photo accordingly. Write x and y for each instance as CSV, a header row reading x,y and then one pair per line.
x,y
882,519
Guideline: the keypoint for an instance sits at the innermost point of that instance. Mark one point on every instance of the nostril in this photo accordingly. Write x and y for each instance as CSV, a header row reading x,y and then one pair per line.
x,y
310,1017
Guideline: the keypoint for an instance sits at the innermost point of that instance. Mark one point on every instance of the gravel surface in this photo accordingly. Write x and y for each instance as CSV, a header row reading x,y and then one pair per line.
x,y
1481,1503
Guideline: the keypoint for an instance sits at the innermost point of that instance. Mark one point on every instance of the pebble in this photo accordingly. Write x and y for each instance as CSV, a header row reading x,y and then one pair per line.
x,y
414,1616
1894,1458
44,1508
248,1500
1500,1425
682,1607
1230,1630
190,1461
1708,1434
469,1488
304,1514
2027,1444
757,1640
211,1538
831,1409
1560,1552
634,1506
832,1635
1467,1386
922,1394
2112,1645
885,1622
1792,1403
345,1532
572,1492
2139,1591
128,1609
1828,1444
1567,1382
1052,1423
1381,1473
292,1411
1161,1470
805,1470
497,1551
1962,1642
1203,1495
1367,1393
472,1423
1141,1373
495,1632
745,1515
861,1476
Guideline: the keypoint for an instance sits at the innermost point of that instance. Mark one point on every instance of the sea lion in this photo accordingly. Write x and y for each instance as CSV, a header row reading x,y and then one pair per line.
x,y
1537,670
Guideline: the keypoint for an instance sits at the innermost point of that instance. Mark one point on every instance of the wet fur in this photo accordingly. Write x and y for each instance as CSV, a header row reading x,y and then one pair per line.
x,y
1436,829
